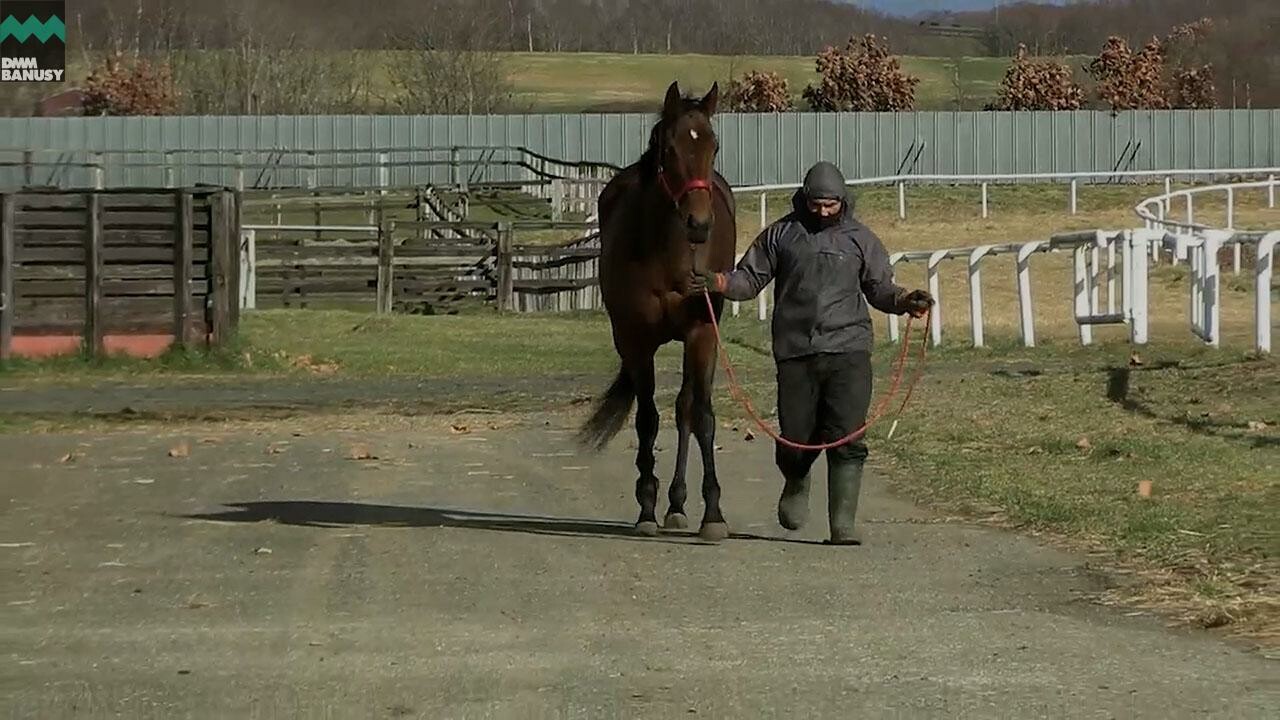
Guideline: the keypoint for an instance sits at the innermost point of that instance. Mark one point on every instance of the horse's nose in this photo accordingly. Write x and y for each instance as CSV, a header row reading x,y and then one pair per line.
x,y
699,230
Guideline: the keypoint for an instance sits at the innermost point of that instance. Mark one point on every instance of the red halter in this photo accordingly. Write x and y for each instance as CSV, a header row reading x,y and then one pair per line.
x,y
689,185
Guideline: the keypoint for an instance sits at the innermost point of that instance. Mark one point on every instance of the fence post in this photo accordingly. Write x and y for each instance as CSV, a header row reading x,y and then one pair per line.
x,y
557,199
975,292
28,168
1135,284
239,174
221,274
935,289
902,200
1075,197
8,304
1212,293
93,330
386,270
1026,314
182,252
1082,291
248,269
1271,191
1262,290
95,160
985,213
506,284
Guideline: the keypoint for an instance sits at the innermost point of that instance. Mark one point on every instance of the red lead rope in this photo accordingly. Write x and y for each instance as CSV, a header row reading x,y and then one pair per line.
x,y
741,396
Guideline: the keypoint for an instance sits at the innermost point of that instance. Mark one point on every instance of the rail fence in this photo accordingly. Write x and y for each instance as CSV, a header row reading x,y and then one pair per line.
x,y
563,276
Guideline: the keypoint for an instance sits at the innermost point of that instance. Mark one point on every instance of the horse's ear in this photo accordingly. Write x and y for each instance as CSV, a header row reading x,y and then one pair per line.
x,y
671,105
710,100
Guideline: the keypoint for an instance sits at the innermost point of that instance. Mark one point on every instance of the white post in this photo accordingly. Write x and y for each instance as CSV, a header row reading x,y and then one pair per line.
x,y
98,171
1271,191
764,215
1136,285
902,200
735,305
240,172
1168,190
1195,307
935,289
984,200
1094,272
1262,291
1213,289
1074,195
1024,291
1082,294
1191,211
975,292
894,259
249,269
1111,274
762,303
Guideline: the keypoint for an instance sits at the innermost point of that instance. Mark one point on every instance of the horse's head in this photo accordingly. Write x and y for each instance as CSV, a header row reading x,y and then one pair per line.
x,y
684,146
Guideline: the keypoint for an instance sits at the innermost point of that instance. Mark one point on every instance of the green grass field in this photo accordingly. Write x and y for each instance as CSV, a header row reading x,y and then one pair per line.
x,y
617,82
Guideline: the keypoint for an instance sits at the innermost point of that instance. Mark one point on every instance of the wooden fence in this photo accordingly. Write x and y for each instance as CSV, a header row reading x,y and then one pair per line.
x,y
415,266
134,270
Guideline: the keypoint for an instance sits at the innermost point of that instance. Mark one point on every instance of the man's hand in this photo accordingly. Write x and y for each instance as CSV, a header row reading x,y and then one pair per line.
x,y
706,280
916,303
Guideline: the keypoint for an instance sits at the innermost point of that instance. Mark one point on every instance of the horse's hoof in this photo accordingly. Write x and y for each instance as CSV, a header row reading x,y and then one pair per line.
x,y
714,532
648,528
676,521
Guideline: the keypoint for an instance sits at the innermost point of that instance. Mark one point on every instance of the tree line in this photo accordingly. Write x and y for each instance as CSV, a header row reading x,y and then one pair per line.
x,y
293,56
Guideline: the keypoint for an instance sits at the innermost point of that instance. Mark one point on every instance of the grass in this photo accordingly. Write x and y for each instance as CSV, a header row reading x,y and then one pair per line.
x,y
548,82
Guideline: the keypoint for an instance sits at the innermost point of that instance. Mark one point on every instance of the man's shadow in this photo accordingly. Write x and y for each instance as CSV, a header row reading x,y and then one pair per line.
x,y
326,514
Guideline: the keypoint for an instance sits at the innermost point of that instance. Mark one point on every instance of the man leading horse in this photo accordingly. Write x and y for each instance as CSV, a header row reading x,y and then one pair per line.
x,y
825,262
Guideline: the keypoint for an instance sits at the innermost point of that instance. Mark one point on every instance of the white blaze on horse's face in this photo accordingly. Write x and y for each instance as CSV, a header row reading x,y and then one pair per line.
x,y
693,134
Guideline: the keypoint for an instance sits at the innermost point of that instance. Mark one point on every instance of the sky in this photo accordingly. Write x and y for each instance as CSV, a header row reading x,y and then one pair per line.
x,y
911,7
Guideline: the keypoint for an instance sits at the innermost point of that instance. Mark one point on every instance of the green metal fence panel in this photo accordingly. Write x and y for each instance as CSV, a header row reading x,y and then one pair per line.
x,y
755,148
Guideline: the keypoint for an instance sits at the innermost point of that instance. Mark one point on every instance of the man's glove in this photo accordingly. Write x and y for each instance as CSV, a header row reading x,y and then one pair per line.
x,y
915,303
705,281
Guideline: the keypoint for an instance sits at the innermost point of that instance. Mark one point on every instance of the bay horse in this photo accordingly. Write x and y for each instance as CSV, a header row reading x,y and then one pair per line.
x,y
658,217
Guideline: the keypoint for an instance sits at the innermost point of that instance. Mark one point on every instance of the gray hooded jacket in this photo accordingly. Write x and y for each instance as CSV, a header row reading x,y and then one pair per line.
x,y
821,276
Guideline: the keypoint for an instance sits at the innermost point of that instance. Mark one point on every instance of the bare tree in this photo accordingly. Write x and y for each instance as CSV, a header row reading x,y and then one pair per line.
x,y
449,68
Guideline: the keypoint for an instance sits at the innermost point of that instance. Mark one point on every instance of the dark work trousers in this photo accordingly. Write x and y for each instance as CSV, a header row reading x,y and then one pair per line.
x,y
822,398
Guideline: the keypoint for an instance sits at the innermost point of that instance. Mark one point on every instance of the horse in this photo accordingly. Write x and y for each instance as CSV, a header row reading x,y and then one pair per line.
x,y
658,217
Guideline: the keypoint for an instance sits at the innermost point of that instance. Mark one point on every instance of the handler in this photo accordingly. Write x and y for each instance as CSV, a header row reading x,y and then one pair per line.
x,y
824,261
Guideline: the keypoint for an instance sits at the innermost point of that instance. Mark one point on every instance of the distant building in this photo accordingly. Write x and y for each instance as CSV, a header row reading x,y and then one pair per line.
x,y
67,102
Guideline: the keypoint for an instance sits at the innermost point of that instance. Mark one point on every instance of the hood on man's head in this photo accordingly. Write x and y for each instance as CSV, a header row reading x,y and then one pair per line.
x,y
823,181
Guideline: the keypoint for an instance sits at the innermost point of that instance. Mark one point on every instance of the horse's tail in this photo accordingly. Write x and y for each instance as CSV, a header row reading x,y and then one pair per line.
x,y
610,414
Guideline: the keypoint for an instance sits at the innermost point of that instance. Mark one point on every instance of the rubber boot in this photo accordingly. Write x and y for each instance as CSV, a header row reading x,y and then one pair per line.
x,y
844,484
793,505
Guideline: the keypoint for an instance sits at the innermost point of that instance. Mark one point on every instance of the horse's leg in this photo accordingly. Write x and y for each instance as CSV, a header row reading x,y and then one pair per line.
x,y
700,358
642,376
676,518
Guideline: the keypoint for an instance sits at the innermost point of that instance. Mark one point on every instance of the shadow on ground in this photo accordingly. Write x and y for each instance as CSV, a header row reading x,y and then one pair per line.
x,y
324,514
1118,392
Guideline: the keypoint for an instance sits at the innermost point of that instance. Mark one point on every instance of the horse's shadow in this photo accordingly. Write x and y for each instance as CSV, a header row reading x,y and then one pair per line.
x,y
328,514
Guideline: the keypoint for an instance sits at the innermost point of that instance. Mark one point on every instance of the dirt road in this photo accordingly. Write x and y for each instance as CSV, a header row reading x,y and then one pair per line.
x,y
492,573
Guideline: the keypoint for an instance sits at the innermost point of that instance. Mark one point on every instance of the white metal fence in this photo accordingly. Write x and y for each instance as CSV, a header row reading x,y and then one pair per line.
x,y
1134,250
1128,254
